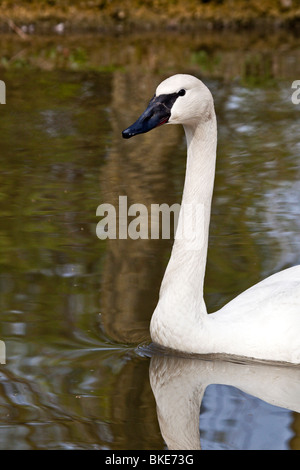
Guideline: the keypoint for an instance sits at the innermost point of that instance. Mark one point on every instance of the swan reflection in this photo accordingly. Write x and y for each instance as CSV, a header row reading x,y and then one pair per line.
x,y
252,324
179,384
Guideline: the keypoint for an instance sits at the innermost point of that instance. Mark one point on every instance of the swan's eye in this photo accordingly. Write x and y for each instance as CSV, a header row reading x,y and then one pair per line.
x,y
182,92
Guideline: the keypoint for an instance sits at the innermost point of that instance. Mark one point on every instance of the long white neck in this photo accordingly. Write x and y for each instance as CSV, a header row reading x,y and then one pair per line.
x,y
181,293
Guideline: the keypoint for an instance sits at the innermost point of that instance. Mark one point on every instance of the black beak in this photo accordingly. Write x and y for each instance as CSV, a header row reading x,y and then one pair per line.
x,y
157,113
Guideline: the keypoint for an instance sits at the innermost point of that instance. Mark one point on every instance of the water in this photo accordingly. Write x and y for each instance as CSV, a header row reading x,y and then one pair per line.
x,y
75,310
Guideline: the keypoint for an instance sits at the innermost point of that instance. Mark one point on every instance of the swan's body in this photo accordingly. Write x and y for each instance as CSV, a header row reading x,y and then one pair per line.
x,y
264,321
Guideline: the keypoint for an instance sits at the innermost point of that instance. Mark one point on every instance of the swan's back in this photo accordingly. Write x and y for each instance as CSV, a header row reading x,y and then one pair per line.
x,y
265,316
272,294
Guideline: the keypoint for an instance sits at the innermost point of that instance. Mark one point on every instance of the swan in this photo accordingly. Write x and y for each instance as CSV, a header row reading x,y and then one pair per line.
x,y
262,323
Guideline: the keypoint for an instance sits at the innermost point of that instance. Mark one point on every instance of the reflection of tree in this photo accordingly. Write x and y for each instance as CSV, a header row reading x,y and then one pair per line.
x,y
137,169
133,414
295,441
258,58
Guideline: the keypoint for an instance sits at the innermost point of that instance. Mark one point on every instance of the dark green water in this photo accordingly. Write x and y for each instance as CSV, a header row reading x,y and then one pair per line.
x,y
75,309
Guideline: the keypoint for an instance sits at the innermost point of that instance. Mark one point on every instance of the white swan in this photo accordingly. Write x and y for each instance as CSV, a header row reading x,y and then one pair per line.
x,y
264,321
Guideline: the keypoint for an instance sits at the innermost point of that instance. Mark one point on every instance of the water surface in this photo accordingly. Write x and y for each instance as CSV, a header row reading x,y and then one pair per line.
x,y
75,310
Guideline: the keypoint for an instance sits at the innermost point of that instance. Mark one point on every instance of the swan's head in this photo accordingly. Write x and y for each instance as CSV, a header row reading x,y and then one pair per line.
x,y
180,99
